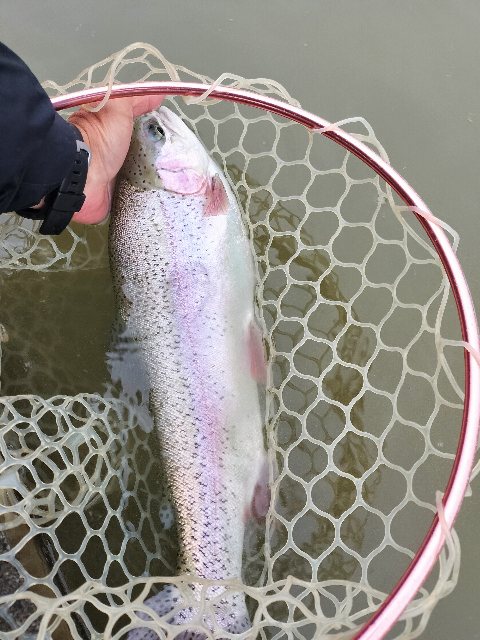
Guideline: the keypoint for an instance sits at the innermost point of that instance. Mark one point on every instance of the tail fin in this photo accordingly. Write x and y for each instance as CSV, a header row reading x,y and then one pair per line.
x,y
230,613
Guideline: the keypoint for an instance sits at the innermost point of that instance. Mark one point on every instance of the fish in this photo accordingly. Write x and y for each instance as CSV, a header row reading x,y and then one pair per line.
x,y
184,282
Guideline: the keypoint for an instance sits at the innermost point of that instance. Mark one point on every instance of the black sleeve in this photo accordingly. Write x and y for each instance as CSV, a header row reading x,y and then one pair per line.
x,y
37,146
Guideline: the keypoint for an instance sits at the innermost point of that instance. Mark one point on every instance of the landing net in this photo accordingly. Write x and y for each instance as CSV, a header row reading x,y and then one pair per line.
x,y
364,403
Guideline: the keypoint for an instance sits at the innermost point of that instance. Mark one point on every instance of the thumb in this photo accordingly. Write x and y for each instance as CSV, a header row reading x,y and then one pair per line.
x,y
144,104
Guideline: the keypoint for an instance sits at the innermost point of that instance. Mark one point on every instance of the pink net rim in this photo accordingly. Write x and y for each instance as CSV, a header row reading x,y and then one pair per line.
x,y
419,568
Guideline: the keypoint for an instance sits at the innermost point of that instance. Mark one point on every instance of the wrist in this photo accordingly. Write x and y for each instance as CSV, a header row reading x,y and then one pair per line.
x,y
70,196
95,207
97,190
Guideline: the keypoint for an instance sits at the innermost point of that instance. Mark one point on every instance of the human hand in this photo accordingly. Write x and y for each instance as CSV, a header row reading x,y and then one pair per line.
x,y
107,132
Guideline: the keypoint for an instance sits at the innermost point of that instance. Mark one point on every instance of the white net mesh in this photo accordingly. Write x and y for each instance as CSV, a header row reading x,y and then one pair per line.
x,y
364,402
22,248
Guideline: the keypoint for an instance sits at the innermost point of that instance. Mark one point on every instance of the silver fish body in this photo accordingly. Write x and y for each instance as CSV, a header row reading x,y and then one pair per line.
x,y
184,285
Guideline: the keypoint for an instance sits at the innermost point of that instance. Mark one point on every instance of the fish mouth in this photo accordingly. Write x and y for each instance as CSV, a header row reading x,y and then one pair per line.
x,y
169,118
165,118
174,121
160,167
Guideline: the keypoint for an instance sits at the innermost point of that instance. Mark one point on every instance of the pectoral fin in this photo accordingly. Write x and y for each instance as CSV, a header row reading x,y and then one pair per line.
x,y
216,203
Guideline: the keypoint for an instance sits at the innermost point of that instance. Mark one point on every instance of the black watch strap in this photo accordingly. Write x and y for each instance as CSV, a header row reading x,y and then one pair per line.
x,y
61,204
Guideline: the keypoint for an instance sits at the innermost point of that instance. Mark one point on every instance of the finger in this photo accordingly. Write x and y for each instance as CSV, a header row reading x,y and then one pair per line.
x,y
136,106
144,104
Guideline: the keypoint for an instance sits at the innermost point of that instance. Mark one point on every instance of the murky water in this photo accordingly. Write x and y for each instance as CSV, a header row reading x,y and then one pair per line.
x,y
407,68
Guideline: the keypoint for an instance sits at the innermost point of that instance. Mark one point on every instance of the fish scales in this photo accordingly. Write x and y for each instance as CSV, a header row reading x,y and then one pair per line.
x,y
184,285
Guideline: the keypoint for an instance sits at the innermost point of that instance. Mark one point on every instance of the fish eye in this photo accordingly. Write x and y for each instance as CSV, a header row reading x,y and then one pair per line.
x,y
155,130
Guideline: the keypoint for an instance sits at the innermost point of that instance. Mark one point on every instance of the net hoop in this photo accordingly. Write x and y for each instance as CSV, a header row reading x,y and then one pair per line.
x,y
427,554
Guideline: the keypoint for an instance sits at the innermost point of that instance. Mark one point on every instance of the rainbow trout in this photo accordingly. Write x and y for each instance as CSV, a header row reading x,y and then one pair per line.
x,y
184,280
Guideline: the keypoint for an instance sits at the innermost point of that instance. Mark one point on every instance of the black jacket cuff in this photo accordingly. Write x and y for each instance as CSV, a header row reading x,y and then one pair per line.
x,y
37,146
47,166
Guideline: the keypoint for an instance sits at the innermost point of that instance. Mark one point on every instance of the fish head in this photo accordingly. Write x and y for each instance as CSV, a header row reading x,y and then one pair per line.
x,y
165,154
